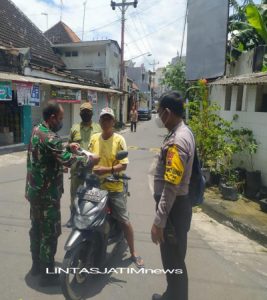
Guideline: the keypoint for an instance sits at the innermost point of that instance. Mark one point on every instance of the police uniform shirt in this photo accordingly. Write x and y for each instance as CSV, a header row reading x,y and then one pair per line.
x,y
173,170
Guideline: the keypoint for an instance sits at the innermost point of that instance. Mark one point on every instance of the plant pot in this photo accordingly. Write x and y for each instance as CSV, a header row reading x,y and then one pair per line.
x,y
253,184
263,192
228,192
263,205
206,174
215,178
241,173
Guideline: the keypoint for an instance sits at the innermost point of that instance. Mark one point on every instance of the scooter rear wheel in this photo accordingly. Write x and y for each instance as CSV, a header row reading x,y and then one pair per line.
x,y
71,281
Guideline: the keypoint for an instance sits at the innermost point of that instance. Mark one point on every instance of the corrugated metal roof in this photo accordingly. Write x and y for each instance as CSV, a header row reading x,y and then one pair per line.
x,y
15,77
246,79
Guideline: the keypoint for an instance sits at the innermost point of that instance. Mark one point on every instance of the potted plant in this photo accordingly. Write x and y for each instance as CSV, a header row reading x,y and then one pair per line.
x,y
209,128
248,145
229,182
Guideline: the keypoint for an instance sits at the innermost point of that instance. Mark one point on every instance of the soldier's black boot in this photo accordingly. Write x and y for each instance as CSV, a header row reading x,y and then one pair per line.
x,y
48,275
36,268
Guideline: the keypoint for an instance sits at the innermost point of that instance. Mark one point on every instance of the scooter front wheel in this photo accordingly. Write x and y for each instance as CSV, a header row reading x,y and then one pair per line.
x,y
71,280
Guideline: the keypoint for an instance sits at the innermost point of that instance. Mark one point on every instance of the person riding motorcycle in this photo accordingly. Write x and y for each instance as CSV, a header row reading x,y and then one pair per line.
x,y
106,145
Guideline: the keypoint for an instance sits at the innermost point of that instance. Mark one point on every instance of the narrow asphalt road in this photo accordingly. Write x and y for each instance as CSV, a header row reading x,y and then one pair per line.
x,y
222,264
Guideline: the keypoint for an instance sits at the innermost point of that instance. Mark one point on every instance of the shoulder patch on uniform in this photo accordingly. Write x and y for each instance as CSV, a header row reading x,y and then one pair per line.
x,y
174,168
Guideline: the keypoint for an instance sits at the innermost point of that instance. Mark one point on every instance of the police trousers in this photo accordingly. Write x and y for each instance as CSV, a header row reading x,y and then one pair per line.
x,y
45,228
173,250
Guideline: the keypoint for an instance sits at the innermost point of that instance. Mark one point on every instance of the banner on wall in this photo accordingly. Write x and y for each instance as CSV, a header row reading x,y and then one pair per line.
x,y
92,97
65,95
28,94
5,91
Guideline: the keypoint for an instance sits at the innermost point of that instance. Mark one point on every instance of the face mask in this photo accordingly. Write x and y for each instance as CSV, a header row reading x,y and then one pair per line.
x,y
86,117
159,122
57,127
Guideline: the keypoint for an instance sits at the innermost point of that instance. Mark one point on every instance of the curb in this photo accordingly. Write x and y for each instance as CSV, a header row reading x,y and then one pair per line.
x,y
12,148
252,233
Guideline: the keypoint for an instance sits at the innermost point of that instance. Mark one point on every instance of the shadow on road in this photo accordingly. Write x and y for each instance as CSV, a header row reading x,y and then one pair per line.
x,y
95,284
33,283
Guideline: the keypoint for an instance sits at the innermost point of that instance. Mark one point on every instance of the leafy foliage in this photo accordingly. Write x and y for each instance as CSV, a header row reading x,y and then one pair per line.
x,y
174,77
217,141
247,27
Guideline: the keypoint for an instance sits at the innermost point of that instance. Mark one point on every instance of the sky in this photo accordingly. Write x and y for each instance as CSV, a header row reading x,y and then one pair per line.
x,y
155,26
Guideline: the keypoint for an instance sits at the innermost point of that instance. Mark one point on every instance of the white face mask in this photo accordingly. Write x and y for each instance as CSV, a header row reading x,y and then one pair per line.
x,y
159,122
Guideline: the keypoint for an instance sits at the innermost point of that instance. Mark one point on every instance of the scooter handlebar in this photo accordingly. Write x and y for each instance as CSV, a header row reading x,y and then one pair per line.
x,y
116,178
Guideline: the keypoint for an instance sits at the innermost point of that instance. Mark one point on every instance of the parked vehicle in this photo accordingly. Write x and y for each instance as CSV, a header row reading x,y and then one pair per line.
x,y
94,233
144,114
154,111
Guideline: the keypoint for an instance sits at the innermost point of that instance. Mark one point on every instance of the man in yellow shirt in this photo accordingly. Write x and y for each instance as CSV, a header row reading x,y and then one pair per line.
x,y
81,133
107,144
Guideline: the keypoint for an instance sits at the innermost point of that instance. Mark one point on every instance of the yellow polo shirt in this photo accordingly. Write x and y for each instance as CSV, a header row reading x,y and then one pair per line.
x,y
107,150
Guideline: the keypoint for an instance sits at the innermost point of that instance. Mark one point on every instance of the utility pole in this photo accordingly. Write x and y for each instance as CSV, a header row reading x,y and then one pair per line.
x,y
123,6
84,4
61,10
46,15
153,82
185,22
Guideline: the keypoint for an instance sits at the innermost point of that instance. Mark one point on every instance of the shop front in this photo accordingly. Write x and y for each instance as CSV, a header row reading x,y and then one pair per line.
x,y
10,116
22,99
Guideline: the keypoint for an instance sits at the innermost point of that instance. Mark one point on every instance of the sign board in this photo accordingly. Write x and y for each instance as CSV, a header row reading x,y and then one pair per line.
x,y
28,94
65,95
206,38
5,91
92,97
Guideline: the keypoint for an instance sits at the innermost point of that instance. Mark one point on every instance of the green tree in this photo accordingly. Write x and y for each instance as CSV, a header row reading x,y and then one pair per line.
x,y
174,77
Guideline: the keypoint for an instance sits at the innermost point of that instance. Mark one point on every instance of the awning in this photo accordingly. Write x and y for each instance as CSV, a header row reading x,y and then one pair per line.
x,y
247,79
16,77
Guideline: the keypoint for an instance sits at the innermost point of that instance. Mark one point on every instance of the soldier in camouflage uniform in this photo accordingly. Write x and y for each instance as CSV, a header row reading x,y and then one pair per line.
x,y
44,187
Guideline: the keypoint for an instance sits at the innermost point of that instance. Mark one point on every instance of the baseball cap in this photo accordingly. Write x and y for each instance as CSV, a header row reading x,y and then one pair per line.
x,y
107,111
86,105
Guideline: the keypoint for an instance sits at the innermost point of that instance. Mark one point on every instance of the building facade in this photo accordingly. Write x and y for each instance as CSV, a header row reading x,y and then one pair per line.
x,y
242,95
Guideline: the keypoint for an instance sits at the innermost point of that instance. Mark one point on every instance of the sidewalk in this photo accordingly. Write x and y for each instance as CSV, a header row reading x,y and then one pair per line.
x,y
243,215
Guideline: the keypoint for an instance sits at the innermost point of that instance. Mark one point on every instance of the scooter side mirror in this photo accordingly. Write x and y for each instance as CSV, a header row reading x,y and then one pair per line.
x,y
121,155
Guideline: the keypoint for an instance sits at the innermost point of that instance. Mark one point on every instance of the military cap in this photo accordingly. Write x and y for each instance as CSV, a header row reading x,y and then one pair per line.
x,y
86,105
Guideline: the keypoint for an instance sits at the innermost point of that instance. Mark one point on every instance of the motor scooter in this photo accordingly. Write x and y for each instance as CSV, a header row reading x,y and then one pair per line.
x,y
95,233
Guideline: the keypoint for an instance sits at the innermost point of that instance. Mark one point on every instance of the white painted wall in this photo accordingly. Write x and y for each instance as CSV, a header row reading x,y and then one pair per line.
x,y
243,65
103,57
113,63
256,121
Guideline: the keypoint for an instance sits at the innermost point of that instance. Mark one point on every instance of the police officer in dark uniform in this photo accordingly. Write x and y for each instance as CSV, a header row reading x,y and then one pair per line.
x,y
171,184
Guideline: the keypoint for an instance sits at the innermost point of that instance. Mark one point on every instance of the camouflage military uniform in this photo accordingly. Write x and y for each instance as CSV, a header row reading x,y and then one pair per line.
x,y
44,188
81,134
